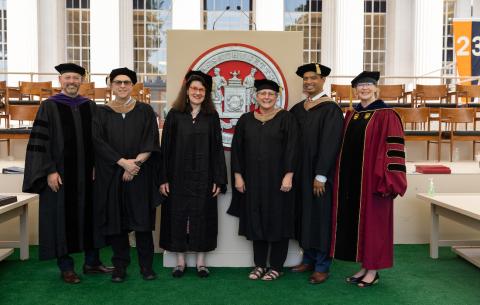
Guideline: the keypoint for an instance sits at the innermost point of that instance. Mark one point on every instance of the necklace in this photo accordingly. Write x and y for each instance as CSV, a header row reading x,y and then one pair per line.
x,y
194,113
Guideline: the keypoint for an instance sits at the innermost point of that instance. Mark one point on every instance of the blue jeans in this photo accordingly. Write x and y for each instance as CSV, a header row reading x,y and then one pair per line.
x,y
320,260
92,258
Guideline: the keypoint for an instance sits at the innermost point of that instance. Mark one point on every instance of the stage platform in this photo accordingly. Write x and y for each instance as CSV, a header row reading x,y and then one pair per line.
x,y
412,216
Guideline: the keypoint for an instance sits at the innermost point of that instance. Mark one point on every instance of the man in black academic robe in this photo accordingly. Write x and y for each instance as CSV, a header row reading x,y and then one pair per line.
x,y
125,133
320,121
59,166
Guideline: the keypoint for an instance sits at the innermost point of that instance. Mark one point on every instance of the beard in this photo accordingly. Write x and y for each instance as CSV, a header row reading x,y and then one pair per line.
x,y
71,89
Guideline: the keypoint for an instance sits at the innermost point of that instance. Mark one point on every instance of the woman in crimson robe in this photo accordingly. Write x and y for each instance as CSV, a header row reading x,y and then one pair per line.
x,y
370,174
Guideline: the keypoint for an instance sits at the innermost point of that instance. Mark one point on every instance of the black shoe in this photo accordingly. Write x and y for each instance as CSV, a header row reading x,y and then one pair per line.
x,y
148,274
97,269
363,284
118,275
202,271
179,271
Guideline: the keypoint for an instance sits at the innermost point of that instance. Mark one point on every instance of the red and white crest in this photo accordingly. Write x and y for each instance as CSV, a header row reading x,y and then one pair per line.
x,y
234,68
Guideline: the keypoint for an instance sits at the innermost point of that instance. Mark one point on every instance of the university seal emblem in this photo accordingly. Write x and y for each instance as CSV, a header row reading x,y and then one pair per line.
x,y
234,68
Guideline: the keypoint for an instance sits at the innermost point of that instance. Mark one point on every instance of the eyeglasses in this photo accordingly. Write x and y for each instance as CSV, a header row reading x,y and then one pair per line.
x,y
266,93
364,84
124,82
194,89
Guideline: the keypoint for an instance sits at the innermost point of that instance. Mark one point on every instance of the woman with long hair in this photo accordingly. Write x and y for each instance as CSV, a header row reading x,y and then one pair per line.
x,y
192,173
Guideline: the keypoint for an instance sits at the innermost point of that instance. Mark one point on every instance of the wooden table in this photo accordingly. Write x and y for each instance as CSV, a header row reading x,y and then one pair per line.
x,y
15,133
463,208
10,211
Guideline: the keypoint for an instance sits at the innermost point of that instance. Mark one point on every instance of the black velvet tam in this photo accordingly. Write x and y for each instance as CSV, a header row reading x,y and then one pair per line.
x,y
70,67
313,67
123,71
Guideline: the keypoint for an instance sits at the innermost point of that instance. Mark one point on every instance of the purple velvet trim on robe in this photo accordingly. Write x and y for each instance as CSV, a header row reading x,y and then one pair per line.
x,y
69,101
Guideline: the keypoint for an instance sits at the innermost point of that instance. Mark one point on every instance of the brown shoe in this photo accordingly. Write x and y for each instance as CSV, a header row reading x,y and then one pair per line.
x,y
302,268
97,269
70,277
318,277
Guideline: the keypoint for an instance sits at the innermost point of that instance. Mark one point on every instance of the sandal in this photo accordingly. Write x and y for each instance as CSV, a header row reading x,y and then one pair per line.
x,y
178,271
363,284
355,280
257,273
202,271
271,275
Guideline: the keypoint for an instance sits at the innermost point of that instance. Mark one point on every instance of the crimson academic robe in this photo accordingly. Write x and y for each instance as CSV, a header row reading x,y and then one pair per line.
x,y
370,174
192,160
61,141
263,152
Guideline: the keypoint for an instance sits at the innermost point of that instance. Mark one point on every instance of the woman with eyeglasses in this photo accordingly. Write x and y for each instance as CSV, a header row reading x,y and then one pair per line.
x,y
370,174
126,194
192,174
264,154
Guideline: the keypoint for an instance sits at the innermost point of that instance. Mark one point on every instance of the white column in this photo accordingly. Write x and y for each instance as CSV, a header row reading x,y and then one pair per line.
x,y
399,57
52,33
427,46
186,14
342,37
111,36
269,15
328,34
126,33
22,31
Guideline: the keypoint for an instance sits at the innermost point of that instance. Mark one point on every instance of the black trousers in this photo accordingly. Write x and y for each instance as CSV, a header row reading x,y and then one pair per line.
x,y
92,258
121,249
278,253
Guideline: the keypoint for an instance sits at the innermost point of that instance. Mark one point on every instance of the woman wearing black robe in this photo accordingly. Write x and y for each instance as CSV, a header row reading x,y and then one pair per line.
x,y
192,173
126,195
264,153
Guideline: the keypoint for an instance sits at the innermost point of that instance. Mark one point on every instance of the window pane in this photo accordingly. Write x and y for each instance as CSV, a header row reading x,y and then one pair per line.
x,y
374,38
305,16
78,31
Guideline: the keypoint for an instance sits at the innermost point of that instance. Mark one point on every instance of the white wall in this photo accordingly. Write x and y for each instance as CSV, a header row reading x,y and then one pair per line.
x,y
269,15
427,44
400,51
342,27
186,14
111,36
463,8
23,40
52,33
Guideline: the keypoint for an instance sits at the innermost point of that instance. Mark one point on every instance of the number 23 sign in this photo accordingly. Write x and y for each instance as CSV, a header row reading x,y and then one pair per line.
x,y
466,34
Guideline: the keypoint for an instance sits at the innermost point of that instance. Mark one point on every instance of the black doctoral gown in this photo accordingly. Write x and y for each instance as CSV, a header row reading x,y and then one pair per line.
x,y
61,141
320,139
126,206
263,153
192,160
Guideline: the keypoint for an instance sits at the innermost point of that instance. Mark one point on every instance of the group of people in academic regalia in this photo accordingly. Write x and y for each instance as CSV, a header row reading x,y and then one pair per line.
x,y
307,174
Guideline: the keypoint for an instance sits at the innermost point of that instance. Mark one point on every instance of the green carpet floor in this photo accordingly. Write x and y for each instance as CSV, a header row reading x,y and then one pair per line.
x,y
415,279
